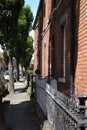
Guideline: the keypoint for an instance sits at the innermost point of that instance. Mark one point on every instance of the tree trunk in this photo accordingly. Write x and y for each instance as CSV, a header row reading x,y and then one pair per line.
x,y
25,68
11,79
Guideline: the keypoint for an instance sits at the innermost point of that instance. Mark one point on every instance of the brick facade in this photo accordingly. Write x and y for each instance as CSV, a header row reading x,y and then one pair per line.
x,y
61,39
61,18
80,38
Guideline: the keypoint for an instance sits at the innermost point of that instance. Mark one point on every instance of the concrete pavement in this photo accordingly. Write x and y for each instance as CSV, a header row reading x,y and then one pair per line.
x,y
17,110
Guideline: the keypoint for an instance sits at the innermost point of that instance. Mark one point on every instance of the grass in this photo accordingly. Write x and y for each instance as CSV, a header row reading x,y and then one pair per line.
x,y
29,91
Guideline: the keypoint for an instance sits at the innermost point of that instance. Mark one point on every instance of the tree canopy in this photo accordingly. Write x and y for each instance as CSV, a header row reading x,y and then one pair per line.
x,y
24,42
15,24
9,10
27,54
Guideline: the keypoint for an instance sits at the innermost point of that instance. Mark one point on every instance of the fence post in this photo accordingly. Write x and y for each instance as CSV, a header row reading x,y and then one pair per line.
x,y
83,122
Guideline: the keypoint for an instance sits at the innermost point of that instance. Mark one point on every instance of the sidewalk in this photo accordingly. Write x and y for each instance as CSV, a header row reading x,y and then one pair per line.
x,y
17,110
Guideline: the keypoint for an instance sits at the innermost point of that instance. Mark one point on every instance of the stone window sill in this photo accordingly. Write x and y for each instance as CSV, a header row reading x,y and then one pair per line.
x,y
62,80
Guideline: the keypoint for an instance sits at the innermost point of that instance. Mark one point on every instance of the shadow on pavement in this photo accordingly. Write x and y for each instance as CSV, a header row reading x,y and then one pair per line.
x,y
20,90
2,119
19,116
24,116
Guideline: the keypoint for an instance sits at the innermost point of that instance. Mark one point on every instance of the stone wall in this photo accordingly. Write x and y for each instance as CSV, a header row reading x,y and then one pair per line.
x,y
41,94
63,112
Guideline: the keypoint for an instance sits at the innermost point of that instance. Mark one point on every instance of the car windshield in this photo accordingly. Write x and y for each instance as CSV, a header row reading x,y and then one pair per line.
x,y
6,72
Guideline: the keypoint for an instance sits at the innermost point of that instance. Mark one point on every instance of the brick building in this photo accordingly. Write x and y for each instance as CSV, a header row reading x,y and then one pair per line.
x,y
60,52
60,43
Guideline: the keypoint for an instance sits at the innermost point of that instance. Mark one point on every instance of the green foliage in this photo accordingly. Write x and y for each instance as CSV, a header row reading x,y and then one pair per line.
x,y
30,71
25,17
9,13
5,57
29,91
25,83
27,52
15,24
24,42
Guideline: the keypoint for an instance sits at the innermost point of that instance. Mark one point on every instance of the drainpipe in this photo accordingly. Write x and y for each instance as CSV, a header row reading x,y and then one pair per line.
x,y
50,59
71,48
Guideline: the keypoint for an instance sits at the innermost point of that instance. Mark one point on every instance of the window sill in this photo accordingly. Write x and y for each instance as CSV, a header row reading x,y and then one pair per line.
x,y
62,80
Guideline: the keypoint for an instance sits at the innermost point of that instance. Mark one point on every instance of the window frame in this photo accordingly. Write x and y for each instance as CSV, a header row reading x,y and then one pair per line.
x,y
63,28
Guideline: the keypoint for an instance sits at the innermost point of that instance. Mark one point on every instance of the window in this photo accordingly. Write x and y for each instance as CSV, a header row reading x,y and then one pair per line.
x,y
63,44
63,49
53,55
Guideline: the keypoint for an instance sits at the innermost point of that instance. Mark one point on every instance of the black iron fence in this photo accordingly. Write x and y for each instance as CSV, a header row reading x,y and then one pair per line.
x,y
63,112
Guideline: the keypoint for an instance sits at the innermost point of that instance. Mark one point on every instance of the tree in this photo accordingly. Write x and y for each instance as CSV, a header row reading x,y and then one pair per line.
x,y
24,42
5,57
27,54
9,13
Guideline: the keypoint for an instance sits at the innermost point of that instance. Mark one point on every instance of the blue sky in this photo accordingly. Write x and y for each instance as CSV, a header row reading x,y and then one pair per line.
x,y
34,6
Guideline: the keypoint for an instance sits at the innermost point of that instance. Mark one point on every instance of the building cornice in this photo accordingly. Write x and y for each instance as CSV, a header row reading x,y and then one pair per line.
x,y
37,14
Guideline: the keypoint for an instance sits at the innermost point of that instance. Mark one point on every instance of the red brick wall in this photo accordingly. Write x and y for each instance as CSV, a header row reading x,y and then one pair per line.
x,y
45,39
80,45
38,40
42,40
64,9
35,48
81,40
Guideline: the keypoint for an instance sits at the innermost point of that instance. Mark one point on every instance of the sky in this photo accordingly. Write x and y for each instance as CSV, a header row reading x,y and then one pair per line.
x,y
34,6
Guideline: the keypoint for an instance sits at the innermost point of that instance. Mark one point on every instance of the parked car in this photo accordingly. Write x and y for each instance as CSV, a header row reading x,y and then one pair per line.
x,y
6,75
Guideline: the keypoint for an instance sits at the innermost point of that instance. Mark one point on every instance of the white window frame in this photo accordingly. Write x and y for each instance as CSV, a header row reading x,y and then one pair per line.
x,y
64,54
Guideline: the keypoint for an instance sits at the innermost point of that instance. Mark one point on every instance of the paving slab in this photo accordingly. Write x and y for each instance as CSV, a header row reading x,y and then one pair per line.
x,y
17,110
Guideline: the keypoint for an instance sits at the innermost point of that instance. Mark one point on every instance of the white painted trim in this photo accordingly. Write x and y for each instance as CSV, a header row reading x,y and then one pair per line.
x,y
50,58
62,80
64,54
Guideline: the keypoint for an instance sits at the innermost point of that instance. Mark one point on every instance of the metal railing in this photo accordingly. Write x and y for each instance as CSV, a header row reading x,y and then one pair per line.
x,y
63,112
41,93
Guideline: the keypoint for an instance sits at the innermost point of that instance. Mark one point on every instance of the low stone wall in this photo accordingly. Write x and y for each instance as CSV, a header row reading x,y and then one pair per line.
x,y
41,93
63,112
